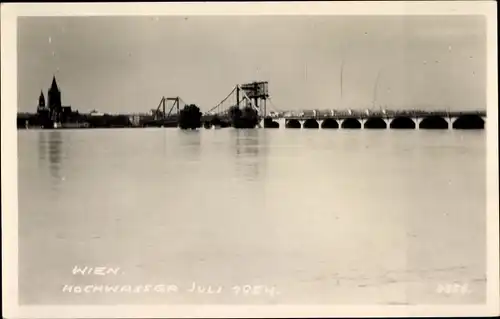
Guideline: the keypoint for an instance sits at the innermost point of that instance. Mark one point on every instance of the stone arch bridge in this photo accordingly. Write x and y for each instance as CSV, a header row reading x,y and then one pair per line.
x,y
256,95
383,120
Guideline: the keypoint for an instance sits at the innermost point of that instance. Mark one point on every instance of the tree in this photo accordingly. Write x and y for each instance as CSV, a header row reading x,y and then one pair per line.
x,y
246,118
251,117
235,114
190,117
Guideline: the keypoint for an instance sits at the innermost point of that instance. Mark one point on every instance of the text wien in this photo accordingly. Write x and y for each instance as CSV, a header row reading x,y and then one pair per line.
x,y
97,271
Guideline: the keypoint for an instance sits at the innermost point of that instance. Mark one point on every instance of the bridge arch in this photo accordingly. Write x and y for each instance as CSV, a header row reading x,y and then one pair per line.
x,y
351,123
375,123
434,123
269,123
402,122
293,124
310,123
329,123
468,122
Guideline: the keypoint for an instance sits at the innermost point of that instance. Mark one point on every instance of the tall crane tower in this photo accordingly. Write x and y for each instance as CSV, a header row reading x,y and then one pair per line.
x,y
256,91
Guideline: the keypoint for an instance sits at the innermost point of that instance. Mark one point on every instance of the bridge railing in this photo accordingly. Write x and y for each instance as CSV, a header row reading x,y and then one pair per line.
x,y
386,114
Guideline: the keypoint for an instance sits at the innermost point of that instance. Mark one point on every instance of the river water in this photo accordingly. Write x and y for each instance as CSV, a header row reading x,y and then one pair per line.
x,y
262,216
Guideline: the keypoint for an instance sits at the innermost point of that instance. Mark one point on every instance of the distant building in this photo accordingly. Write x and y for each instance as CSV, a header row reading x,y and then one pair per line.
x,y
95,113
54,98
53,110
135,120
41,104
41,101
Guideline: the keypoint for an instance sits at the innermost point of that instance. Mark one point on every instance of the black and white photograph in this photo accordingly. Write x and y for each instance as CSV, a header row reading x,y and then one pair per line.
x,y
250,156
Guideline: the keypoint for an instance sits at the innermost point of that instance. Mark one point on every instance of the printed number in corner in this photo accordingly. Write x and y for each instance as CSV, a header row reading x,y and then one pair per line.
x,y
453,289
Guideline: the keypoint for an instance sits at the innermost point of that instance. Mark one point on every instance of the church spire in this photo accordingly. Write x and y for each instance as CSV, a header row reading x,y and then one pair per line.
x,y
54,87
41,100
54,96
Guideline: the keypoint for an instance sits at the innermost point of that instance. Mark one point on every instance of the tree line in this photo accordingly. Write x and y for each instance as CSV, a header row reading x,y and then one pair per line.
x,y
190,117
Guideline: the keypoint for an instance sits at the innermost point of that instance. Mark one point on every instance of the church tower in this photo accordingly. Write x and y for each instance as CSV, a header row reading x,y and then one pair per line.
x,y
54,99
41,101
54,96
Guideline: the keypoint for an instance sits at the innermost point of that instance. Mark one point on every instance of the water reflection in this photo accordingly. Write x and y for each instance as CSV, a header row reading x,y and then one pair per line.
x,y
54,145
190,142
248,155
42,143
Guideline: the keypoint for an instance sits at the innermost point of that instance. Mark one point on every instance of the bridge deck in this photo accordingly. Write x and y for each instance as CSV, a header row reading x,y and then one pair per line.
x,y
362,115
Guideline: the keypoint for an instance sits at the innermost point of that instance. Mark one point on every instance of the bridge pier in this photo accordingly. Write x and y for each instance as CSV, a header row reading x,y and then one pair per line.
x,y
450,121
281,122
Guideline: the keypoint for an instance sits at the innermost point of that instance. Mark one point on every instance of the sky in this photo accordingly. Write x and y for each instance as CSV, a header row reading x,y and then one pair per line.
x,y
126,64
